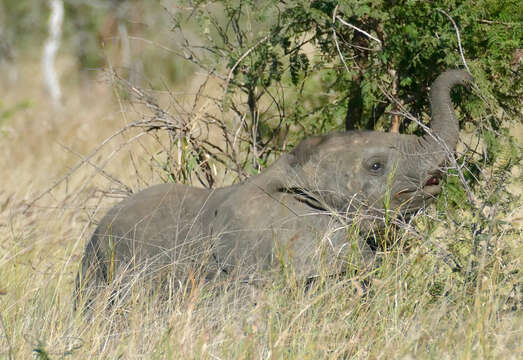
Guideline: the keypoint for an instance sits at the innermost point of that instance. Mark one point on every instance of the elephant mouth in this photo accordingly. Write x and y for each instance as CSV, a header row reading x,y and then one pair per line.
x,y
431,188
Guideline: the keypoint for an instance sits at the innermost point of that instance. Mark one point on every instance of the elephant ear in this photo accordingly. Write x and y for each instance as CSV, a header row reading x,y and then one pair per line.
x,y
305,149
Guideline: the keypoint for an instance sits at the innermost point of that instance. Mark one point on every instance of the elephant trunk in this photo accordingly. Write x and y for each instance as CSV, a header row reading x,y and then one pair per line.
x,y
444,124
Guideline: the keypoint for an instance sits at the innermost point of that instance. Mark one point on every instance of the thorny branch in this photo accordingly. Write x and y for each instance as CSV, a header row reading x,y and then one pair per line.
x,y
358,29
459,39
184,138
335,38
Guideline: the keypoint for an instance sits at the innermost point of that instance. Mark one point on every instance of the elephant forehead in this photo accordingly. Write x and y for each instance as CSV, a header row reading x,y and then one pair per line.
x,y
356,143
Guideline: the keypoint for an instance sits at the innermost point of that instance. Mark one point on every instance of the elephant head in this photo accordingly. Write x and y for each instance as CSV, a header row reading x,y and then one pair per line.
x,y
368,171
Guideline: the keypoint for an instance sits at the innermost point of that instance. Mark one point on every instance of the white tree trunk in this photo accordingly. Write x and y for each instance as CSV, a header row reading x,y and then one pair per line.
x,y
51,47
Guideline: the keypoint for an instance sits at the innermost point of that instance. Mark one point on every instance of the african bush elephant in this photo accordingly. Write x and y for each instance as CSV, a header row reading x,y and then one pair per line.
x,y
296,211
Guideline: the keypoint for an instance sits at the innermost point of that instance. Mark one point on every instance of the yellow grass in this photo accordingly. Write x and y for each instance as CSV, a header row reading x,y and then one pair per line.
x,y
414,306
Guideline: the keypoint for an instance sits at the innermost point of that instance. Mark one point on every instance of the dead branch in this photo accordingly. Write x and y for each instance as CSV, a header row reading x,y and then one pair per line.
x,y
459,39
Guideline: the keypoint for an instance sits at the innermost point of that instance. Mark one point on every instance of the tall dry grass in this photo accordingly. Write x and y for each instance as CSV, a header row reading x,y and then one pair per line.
x,y
413,306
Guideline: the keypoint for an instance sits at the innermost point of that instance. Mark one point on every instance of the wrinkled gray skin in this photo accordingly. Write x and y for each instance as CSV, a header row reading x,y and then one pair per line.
x,y
297,207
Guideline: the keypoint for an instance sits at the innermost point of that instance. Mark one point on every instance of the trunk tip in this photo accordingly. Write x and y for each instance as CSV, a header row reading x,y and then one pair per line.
x,y
453,77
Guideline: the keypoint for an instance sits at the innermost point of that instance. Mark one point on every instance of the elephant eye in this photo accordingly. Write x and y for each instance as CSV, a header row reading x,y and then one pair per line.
x,y
376,166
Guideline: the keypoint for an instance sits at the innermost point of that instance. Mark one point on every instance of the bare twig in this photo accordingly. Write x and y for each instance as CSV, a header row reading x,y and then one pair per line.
x,y
334,14
79,165
459,39
100,170
358,29
491,22
251,49
189,57
396,120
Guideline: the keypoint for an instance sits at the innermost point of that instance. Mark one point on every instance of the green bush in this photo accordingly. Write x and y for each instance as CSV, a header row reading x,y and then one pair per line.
x,y
323,75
